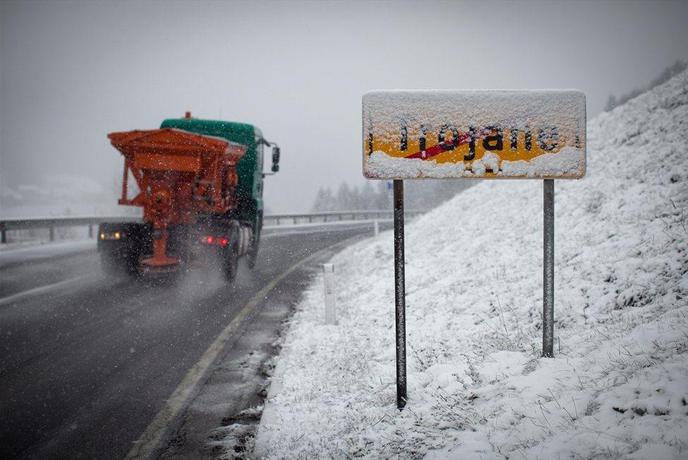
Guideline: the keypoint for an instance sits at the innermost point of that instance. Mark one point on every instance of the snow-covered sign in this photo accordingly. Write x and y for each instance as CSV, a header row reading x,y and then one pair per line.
x,y
474,134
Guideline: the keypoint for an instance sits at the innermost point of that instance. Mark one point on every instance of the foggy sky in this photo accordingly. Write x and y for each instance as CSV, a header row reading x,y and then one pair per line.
x,y
70,72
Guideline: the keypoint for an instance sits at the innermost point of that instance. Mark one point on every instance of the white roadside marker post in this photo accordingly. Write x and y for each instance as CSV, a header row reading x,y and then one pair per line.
x,y
376,227
330,306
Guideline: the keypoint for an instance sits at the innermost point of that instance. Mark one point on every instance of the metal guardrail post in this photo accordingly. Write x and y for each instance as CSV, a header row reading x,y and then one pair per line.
x,y
52,233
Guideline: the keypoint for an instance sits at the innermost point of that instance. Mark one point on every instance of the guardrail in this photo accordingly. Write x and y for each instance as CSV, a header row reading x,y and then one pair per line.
x,y
52,223
331,216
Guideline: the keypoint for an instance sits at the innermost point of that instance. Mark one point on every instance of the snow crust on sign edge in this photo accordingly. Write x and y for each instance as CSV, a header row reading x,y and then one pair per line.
x,y
569,162
379,165
517,108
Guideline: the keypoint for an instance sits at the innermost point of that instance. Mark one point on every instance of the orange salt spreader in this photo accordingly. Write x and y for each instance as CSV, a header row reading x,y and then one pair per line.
x,y
180,176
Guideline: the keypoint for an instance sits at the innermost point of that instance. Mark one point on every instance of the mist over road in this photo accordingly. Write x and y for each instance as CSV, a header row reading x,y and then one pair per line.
x,y
89,360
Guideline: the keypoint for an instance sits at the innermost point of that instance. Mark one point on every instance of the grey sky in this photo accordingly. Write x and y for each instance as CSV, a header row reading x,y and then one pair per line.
x,y
70,72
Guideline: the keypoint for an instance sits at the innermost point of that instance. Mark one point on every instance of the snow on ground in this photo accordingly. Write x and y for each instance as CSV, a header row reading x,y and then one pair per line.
x,y
618,385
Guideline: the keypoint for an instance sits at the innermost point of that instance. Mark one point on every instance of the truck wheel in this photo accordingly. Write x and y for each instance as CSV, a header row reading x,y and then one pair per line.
x,y
118,263
118,266
255,240
252,254
231,262
110,265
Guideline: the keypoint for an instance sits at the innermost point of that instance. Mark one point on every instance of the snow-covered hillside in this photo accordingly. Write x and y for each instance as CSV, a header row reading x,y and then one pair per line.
x,y
618,385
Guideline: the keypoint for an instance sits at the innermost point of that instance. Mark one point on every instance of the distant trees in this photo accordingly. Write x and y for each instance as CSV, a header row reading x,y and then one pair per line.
x,y
670,71
611,103
324,200
349,198
374,195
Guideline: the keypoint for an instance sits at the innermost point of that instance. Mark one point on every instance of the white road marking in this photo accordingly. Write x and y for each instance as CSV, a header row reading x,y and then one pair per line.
x,y
150,440
39,290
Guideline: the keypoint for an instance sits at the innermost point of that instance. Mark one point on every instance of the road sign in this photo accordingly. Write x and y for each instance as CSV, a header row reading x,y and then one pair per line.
x,y
474,134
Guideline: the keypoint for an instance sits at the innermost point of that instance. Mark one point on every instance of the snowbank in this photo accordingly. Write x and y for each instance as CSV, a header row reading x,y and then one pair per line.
x,y
618,386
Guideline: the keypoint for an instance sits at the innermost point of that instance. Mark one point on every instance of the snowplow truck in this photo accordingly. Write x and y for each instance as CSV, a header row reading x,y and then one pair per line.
x,y
200,184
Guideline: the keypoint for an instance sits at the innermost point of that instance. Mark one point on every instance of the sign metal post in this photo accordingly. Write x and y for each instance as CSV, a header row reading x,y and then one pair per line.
x,y
399,291
548,272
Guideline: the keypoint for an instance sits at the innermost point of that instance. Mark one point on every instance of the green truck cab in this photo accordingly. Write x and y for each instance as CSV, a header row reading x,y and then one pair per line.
x,y
249,168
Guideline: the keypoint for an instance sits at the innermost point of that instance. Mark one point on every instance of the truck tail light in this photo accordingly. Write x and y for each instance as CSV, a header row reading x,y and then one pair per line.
x,y
219,240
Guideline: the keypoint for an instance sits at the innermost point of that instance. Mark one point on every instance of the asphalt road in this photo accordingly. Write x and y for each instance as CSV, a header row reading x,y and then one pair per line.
x,y
88,360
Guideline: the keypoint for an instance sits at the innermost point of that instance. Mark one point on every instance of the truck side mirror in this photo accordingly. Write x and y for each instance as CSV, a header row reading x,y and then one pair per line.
x,y
275,158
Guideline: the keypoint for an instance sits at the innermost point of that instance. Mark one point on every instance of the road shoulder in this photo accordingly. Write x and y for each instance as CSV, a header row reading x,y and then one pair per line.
x,y
224,414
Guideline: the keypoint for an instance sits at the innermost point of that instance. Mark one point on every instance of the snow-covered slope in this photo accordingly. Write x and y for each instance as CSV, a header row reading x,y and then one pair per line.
x,y
618,386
